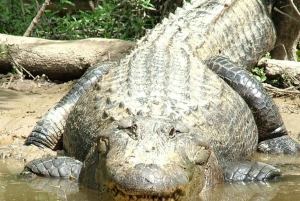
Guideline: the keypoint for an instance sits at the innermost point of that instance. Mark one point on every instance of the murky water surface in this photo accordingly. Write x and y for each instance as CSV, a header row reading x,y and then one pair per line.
x,y
12,187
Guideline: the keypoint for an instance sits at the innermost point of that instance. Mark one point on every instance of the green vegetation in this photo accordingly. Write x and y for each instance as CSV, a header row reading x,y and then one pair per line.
x,y
14,18
110,19
282,81
259,74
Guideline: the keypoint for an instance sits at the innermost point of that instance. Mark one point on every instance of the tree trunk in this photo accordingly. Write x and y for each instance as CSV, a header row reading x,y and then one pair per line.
x,y
287,28
59,60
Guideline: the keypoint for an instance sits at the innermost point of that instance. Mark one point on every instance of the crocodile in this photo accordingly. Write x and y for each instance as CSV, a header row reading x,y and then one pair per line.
x,y
177,116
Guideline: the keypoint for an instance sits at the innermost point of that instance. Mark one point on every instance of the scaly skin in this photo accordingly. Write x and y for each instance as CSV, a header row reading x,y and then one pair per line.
x,y
50,128
162,125
228,28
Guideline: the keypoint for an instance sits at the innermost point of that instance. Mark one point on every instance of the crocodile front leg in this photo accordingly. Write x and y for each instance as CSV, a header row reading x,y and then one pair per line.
x,y
273,136
48,131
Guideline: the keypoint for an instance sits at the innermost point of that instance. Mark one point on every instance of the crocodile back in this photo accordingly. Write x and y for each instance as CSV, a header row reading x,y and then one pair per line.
x,y
165,78
238,29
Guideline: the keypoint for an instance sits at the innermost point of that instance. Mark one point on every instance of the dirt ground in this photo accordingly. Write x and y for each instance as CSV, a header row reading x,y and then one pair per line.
x,y
22,103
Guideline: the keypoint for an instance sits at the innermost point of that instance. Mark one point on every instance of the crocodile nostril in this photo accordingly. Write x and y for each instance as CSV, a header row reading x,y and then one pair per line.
x,y
149,166
139,166
153,166
149,174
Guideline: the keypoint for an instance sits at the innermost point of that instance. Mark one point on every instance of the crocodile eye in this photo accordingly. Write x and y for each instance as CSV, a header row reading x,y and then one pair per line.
x,y
129,126
172,133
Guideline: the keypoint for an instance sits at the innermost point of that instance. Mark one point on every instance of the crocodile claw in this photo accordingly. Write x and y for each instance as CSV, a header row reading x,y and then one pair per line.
x,y
279,145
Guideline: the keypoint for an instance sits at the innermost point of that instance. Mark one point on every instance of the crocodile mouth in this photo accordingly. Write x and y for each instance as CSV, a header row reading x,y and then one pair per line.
x,y
119,195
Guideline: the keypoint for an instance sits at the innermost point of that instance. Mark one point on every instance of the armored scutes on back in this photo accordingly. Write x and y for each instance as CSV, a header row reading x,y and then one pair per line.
x,y
161,124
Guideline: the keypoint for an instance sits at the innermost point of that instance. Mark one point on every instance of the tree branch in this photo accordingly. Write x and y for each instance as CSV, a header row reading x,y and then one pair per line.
x,y
295,8
36,19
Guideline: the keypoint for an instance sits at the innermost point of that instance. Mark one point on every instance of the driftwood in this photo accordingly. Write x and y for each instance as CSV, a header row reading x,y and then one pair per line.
x,y
59,60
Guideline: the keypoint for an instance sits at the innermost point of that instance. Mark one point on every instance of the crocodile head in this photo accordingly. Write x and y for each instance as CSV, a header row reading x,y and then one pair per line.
x,y
150,159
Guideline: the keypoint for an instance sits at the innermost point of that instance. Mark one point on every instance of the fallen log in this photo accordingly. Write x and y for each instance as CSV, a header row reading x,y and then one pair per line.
x,y
59,60
275,68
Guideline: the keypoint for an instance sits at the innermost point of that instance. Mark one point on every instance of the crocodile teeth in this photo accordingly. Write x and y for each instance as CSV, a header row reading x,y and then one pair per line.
x,y
186,6
165,21
179,11
171,16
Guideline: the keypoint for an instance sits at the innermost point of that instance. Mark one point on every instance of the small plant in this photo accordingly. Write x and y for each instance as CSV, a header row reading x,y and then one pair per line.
x,y
259,74
275,81
282,81
267,55
287,81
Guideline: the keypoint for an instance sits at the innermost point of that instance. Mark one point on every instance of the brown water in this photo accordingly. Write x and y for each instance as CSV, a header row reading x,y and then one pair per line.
x,y
12,187
286,189
15,188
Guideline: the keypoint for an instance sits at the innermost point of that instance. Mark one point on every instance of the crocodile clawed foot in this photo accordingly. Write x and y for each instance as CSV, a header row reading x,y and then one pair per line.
x,y
55,166
279,145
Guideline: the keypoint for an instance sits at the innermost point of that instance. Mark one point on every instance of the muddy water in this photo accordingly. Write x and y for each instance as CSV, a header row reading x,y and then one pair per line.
x,y
286,189
13,187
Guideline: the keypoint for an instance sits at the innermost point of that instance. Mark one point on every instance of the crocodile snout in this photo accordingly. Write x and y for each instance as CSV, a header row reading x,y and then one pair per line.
x,y
149,174
151,180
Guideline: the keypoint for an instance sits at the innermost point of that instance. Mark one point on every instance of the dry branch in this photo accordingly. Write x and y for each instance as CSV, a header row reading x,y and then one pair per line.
x,y
36,18
60,60
274,91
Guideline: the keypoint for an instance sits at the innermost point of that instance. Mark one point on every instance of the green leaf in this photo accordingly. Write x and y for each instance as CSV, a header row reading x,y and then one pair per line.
x,y
298,55
263,78
257,77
